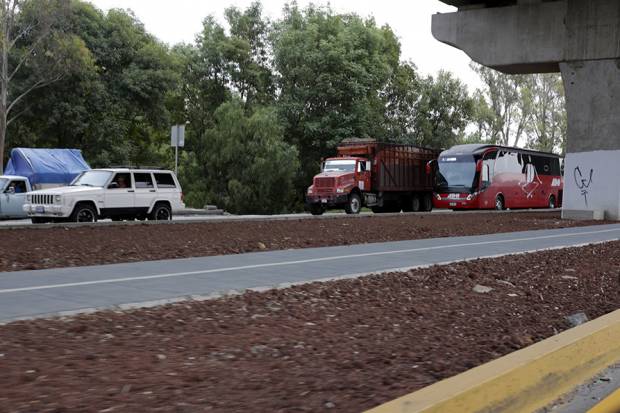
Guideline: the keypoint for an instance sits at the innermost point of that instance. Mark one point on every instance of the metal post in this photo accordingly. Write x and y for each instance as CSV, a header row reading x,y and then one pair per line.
x,y
176,159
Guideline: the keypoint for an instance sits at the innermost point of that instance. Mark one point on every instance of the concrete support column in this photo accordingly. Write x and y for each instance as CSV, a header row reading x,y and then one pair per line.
x,y
592,165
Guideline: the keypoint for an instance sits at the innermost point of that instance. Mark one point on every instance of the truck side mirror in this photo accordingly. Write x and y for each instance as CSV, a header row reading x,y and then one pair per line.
x,y
113,185
10,190
368,165
430,165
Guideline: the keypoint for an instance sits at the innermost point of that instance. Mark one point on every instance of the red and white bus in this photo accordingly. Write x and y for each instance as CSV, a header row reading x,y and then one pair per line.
x,y
479,176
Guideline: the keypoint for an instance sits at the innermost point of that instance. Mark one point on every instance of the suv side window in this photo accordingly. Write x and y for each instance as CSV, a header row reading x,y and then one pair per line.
x,y
143,180
19,187
120,181
164,180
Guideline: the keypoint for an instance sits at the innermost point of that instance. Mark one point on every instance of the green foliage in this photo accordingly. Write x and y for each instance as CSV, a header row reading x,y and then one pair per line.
x,y
112,104
516,109
332,70
245,166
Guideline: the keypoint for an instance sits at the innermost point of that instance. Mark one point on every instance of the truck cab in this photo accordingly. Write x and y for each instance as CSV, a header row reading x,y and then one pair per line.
x,y
341,183
13,196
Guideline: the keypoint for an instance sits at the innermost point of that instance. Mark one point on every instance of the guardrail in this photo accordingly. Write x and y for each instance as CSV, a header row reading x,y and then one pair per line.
x,y
526,380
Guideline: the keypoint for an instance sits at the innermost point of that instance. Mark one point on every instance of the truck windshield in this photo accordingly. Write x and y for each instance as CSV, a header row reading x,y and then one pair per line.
x,y
92,178
340,165
456,171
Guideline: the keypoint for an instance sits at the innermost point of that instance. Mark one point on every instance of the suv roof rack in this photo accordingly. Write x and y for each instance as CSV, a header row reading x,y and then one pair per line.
x,y
159,168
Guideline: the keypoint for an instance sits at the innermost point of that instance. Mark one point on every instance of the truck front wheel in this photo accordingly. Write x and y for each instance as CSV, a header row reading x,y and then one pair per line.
x,y
354,205
317,209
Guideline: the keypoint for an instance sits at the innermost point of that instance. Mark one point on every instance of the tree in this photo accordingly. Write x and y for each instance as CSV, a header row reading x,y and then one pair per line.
x,y
547,129
443,113
332,72
510,100
34,53
250,167
116,108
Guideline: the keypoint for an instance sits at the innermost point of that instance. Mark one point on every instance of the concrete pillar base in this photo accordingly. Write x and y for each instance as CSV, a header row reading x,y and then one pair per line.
x,y
592,165
583,215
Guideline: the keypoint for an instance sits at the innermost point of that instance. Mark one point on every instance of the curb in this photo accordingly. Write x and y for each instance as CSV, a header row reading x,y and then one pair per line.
x,y
611,404
218,217
526,380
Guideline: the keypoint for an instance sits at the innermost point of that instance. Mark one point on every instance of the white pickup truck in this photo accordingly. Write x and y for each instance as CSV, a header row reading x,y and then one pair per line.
x,y
13,196
118,194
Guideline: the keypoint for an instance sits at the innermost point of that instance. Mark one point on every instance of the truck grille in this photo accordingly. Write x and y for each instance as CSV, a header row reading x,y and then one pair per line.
x,y
324,183
42,199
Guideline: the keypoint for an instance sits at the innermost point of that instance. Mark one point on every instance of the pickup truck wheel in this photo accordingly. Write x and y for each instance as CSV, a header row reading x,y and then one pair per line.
x,y
354,205
83,213
161,212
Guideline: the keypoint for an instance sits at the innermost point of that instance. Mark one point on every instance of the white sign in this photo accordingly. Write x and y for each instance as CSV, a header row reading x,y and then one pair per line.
x,y
177,136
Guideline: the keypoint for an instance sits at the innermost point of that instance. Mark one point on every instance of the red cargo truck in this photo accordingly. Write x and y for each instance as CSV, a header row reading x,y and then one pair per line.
x,y
385,177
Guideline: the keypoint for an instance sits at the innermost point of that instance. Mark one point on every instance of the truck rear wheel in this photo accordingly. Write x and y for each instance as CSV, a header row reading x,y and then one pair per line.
x,y
427,202
354,205
415,203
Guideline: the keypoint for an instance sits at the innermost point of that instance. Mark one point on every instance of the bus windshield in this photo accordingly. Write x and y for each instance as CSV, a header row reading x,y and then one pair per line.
x,y
456,171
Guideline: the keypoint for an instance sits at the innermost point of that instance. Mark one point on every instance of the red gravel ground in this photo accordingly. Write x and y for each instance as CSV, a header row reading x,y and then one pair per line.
x,y
36,248
340,346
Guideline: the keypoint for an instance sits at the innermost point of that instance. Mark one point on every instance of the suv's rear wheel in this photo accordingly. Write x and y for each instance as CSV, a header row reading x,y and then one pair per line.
x,y
161,212
83,213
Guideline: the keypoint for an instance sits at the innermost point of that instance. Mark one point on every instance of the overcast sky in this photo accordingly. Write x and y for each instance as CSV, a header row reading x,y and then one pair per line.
x,y
180,20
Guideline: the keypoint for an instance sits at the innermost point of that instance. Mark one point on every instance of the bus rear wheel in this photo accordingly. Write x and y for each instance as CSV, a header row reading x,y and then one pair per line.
x,y
499,203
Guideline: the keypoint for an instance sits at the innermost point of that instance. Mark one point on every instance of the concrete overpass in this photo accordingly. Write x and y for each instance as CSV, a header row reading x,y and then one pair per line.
x,y
580,39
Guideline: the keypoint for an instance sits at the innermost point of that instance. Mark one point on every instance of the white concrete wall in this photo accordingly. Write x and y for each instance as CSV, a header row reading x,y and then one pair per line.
x,y
602,192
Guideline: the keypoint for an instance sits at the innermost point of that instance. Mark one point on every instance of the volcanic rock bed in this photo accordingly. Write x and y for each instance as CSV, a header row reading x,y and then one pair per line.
x,y
341,346
37,248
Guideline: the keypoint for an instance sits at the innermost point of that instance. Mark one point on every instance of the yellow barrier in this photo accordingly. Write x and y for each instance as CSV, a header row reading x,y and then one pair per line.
x,y
525,380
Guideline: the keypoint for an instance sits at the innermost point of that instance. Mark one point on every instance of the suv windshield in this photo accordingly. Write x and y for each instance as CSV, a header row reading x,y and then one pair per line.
x,y
456,171
92,178
340,165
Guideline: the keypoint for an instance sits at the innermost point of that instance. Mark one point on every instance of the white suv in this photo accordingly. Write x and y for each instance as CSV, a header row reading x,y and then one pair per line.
x,y
119,194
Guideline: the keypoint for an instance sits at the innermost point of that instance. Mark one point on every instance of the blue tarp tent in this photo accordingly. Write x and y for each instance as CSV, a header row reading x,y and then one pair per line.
x,y
46,166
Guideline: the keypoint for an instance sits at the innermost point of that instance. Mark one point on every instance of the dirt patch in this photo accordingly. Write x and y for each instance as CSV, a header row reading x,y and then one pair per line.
x,y
26,249
337,346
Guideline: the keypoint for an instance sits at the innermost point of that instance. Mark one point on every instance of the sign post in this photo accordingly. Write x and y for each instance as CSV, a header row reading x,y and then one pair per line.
x,y
177,139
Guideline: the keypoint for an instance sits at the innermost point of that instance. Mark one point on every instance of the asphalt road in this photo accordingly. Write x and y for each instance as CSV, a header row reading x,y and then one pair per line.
x,y
27,294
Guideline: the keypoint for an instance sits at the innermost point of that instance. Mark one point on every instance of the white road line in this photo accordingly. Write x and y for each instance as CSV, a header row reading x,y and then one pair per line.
x,y
283,263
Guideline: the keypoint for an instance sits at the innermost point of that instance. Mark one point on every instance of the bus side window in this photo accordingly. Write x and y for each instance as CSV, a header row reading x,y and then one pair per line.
x,y
488,167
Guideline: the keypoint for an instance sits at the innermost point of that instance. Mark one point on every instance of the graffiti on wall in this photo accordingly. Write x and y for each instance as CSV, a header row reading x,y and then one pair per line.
x,y
583,182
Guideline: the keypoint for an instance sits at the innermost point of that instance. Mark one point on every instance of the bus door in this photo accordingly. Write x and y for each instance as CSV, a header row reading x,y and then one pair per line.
x,y
487,194
532,185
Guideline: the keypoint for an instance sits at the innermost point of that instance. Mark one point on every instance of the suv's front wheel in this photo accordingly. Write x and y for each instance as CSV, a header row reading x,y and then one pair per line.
x,y
83,213
161,212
